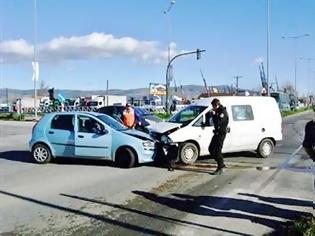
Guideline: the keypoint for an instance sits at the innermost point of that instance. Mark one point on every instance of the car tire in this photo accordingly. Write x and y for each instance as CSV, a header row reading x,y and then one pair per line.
x,y
41,153
125,158
265,148
189,153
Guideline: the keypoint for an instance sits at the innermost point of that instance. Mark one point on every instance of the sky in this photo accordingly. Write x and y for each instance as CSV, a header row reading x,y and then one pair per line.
x,y
81,44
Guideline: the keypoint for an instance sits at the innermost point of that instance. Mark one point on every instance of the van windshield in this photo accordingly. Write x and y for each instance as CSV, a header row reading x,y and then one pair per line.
x,y
188,114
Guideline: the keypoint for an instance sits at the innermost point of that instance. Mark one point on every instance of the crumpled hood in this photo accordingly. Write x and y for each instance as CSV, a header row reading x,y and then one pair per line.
x,y
163,127
138,134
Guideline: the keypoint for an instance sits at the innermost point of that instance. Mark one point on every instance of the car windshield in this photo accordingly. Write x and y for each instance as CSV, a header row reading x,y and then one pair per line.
x,y
188,114
141,112
111,122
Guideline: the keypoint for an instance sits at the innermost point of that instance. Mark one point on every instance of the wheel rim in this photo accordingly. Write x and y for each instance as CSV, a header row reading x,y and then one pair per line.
x,y
189,153
40,154
266,149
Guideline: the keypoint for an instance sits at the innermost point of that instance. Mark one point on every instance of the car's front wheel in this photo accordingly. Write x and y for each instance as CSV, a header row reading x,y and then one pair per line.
x,y
125,158
265,148
41,153
189,153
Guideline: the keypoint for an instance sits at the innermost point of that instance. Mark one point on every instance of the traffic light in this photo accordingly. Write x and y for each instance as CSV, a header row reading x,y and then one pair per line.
x,y
198,53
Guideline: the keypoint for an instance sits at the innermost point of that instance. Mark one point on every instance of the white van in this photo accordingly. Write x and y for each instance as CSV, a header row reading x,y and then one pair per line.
x,y
254,125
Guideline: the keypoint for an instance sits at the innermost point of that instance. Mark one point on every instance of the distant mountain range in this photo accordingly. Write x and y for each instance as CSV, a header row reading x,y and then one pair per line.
x,y
189,91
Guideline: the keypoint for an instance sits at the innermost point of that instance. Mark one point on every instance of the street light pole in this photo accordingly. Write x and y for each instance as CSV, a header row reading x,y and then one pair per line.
x,y
166,12
296,37
309,84
268,43
35,59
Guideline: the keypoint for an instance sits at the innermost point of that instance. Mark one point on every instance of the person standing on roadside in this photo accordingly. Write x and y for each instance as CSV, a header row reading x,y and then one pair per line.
x,y
129,117
220,120
309,138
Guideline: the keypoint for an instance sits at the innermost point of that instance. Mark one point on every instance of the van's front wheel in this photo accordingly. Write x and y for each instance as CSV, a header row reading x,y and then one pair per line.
x,y
265,148
189,153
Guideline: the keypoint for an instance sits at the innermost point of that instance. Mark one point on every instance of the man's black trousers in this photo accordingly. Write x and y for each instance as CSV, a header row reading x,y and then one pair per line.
x,y
215,148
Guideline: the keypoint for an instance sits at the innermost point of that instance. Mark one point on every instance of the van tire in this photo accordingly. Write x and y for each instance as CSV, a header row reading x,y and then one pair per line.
x,y
265,148
188,153
41,153
125,158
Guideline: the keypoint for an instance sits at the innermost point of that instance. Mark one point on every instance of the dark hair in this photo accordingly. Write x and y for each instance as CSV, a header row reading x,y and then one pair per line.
x,y
215,102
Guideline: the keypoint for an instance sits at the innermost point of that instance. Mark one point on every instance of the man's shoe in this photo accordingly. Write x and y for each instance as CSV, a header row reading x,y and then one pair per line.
x,y
170,169
218,171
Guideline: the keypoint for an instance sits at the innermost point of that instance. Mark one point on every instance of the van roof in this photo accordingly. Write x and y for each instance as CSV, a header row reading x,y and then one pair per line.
x,y
225,100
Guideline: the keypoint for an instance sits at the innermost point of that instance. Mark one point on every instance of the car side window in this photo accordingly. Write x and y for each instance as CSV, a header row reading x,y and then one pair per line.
x,y
242,112
63,122
89,125
208,121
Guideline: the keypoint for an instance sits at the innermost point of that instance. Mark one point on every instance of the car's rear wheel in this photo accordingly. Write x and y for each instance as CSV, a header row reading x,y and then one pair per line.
x,y
265,148
41,153
125,158
189,153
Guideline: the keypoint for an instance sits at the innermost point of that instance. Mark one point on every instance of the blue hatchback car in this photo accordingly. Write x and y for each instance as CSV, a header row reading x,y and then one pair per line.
x,y
89,135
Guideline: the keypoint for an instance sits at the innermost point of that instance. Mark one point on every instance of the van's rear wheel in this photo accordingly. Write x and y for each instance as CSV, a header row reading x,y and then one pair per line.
x,y
189,153
125,158
265,148
41,153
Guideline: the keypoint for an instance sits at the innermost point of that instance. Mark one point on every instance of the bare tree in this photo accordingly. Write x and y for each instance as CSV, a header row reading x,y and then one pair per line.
x,y
288,88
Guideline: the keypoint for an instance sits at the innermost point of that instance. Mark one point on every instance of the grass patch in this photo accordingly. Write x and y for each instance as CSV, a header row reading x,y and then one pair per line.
x,y
288,113
304,226
12,116
163,116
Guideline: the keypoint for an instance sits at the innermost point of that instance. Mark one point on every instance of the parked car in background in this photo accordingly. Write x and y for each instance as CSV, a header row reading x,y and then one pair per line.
x,y
89,135
143,117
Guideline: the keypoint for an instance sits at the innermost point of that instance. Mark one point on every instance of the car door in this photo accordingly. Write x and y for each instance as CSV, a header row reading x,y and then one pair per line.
x,y
204,129
60,134
89,141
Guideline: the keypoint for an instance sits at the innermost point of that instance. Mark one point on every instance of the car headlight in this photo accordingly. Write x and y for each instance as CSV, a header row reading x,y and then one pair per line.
x,y
165,139
148,145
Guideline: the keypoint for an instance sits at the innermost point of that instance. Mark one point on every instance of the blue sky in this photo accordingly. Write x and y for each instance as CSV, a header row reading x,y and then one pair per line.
x,y
83,43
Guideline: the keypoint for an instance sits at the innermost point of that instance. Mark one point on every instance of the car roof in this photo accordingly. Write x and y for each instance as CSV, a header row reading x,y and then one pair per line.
x,y
75,112
230,100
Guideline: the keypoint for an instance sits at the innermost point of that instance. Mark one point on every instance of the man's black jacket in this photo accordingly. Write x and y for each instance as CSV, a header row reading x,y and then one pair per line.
x,y
220,120
309,139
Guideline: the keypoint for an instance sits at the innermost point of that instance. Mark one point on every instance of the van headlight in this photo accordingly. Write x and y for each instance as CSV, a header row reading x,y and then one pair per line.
x,y
148,145
165,139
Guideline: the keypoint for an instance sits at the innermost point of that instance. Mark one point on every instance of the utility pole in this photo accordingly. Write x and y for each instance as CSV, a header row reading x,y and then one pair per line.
x,y
268,44
237,77
107,93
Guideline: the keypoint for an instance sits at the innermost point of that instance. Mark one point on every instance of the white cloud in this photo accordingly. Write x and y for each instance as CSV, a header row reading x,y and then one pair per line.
x,y
91,46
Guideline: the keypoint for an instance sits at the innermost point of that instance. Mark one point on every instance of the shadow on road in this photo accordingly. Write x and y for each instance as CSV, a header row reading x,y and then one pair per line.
x,y
20,156
281,201
86,214
26,157
147,214
221,206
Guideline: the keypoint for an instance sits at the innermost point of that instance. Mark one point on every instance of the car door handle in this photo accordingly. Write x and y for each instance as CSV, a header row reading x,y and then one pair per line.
x,y
80,136
51,132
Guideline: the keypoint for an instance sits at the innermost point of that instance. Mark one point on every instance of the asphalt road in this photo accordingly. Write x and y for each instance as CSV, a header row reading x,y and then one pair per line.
x,y
80,197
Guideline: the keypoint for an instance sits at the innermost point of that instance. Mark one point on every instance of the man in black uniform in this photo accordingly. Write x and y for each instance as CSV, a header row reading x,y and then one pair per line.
x,y
221,120
309,139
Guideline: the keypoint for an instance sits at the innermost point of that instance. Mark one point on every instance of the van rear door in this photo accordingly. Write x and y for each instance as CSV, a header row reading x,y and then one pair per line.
x,y
244,128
